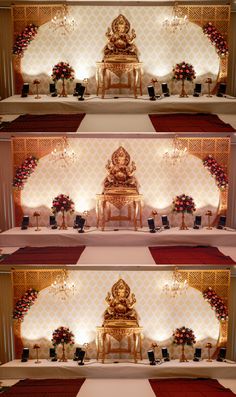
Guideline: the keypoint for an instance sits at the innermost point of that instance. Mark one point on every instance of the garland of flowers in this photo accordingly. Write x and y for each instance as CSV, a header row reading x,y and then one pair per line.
x,y
23,172
24,39
62,335
184,336
62,203
216,39
184,71
24,303
184,203
62,70
216,303
216,171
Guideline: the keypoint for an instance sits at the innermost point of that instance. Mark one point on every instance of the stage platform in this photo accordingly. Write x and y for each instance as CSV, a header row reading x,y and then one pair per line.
x,y
127,370
123,105
123,237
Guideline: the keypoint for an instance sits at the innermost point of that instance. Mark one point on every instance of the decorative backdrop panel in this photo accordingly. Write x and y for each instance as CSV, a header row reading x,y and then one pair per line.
x,y
159,49
159,181
159,314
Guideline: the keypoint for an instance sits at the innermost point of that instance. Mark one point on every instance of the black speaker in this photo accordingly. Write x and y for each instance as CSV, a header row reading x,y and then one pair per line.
x,y
52,89
221,89
76,90
151,357
81,222
52,354
76,354
151,93
197,354
25,222
165,354
25,90
165,89
25,355
197,222
81,355
165,222
80,91
222,222
52,222
222,354
151,225
197,89
76,221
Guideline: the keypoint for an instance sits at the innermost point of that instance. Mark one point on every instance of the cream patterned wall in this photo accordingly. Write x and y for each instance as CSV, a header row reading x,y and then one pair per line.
x,y
159,181
159,50
158,313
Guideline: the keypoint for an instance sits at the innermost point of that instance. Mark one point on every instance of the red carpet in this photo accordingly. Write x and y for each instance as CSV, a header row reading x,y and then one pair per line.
x,y
189,388
187,122
181,255
44,256
45,388
45,123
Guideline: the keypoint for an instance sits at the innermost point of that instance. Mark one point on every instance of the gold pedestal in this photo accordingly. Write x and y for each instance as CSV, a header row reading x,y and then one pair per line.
x,y
183,226
183,358
183,93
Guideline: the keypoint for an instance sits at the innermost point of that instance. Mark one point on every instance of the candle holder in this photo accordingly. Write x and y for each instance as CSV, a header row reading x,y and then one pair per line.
x,y
85,83
209,82
154,82
85,215
37,215
209,214
37,82
37,347
154,347
154,214
209,346
86,347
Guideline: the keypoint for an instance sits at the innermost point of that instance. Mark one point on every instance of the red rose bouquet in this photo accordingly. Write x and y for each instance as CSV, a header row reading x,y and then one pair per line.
x,y
216,39
184,71
62,203
184,203
23,39
62,335
184,336
62,70
216,303
24,303
216,171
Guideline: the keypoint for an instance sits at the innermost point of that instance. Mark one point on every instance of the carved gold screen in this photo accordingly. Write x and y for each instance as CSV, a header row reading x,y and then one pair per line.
x,y
39,279
22,15
219,148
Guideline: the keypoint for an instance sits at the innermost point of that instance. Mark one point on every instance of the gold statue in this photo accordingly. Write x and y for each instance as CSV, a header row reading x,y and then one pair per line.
x,y
120,46
120,173
120,309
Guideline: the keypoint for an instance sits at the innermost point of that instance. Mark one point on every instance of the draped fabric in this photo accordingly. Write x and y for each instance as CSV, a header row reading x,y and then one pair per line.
x,y
231,80
6,72
6,199
6,339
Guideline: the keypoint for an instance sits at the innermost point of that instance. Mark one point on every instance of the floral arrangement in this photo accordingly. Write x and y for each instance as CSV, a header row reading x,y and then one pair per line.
x,y
23,172
216,39
62,203
62,70
216,303
184,336
184,71
24,303
216,171
24,39
184,203
62,335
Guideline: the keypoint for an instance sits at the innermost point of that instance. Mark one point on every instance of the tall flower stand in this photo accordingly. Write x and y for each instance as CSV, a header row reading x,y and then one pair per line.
x,y
183,93
63,225
183,226
63,357
63,91
183,357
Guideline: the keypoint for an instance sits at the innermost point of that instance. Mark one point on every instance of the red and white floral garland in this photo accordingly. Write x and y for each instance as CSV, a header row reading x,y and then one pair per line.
x,y
23,39
24,303
216,38
216,303
23,172
216,171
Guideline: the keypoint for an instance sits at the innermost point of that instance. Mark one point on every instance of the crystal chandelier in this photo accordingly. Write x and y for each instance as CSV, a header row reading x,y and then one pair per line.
x,y
63,154
177,153
61,288
62,21
177,21
177,285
